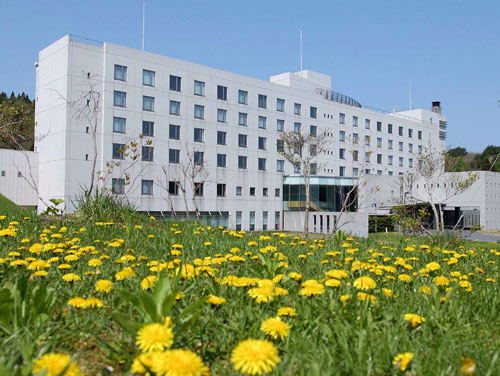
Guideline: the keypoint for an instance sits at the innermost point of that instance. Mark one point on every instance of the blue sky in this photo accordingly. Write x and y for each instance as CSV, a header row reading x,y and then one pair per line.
x,y
450,50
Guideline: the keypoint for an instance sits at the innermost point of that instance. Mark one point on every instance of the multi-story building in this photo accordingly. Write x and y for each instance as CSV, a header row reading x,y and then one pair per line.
x,y
153,122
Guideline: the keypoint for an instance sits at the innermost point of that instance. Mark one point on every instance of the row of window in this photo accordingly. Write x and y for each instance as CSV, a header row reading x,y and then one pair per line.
x,y
251,220
367,142
379,126
148,79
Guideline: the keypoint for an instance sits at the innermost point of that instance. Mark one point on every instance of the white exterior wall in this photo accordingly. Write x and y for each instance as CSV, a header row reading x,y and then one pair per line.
x,y
353,223
64,170
19,176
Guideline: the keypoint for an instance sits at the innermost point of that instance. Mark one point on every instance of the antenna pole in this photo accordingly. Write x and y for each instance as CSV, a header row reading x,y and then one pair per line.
x,y
143,20
411,104
300,49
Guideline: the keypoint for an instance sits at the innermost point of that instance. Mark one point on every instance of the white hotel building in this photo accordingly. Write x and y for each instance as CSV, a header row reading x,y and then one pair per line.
x,y
174,109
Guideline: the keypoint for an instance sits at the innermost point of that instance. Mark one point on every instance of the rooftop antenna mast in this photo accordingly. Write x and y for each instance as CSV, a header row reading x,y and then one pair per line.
x,y
411,104
143,20
301,50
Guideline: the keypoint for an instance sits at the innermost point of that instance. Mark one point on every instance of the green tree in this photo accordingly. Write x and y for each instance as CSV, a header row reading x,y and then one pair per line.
x,y
17,122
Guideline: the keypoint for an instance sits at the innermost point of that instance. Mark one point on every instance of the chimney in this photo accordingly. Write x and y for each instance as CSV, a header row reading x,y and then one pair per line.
x,y
436,107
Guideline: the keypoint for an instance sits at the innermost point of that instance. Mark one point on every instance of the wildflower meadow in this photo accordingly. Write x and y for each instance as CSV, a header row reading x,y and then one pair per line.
x,y
155,297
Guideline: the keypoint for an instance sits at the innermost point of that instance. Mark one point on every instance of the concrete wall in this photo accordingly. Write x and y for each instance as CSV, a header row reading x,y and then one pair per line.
x,y
322,222
19,176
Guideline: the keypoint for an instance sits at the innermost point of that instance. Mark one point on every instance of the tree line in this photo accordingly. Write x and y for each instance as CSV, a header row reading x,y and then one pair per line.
x,y
17,121
459,159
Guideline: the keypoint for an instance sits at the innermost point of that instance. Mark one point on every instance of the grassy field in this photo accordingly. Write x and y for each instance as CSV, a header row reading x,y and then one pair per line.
x,y
196,294
8,207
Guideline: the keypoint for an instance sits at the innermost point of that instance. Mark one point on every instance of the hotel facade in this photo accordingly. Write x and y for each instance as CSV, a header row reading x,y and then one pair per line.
x,y
156,124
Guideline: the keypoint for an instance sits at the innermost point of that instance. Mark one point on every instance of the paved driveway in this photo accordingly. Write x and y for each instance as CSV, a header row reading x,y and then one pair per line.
x,y
481,237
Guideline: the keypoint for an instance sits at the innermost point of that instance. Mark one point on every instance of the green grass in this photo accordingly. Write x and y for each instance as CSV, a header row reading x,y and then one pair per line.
x,y
328,336
7,207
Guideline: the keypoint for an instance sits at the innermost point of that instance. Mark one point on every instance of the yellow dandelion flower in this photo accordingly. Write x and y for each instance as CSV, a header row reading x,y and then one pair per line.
x,y
441,281
275,327
104,285
344,298
142,361
178,362
148,282
312,287
364,296
261,294
425,290
216,300
287,311
401,361
77,302
295,276
155,337
433,266
54,364
414,319
468,367
388,293
332,282
404,278
255,357
93,302
94,262
364,283
71,277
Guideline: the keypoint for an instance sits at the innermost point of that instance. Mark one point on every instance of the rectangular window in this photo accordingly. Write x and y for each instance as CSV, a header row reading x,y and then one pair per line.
x,y
277,192
221,160
391,173
173,155
280,165
379,142
262,101
410,148
222,93
341,118
313,150
354,121
239,191
175,108
367,156
400,148
3,172
252,191
119,125
173,188
342,136
243,118
148,128
118,186
199,111
198,158
252,221
199,88
148,77
198,189
242,162
379,172
419,149
419,135
401,161
297,127
389,128
120,99
148,103
147,187
265,192
379,158
277,220
280,105
389,160
389,144
313,112
174,132
120,72
221,138
280,146
199,134
280,125
410,162
410,133
400,131
313,167
379,126
262,164
341,171
262,122
242,97
297,109
355,138
313,130
367,123
264,221
147,153
262,143
118,151
238,221
367,140
341,153
355,155
242,140
175,83
221,115
355,171
221,190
